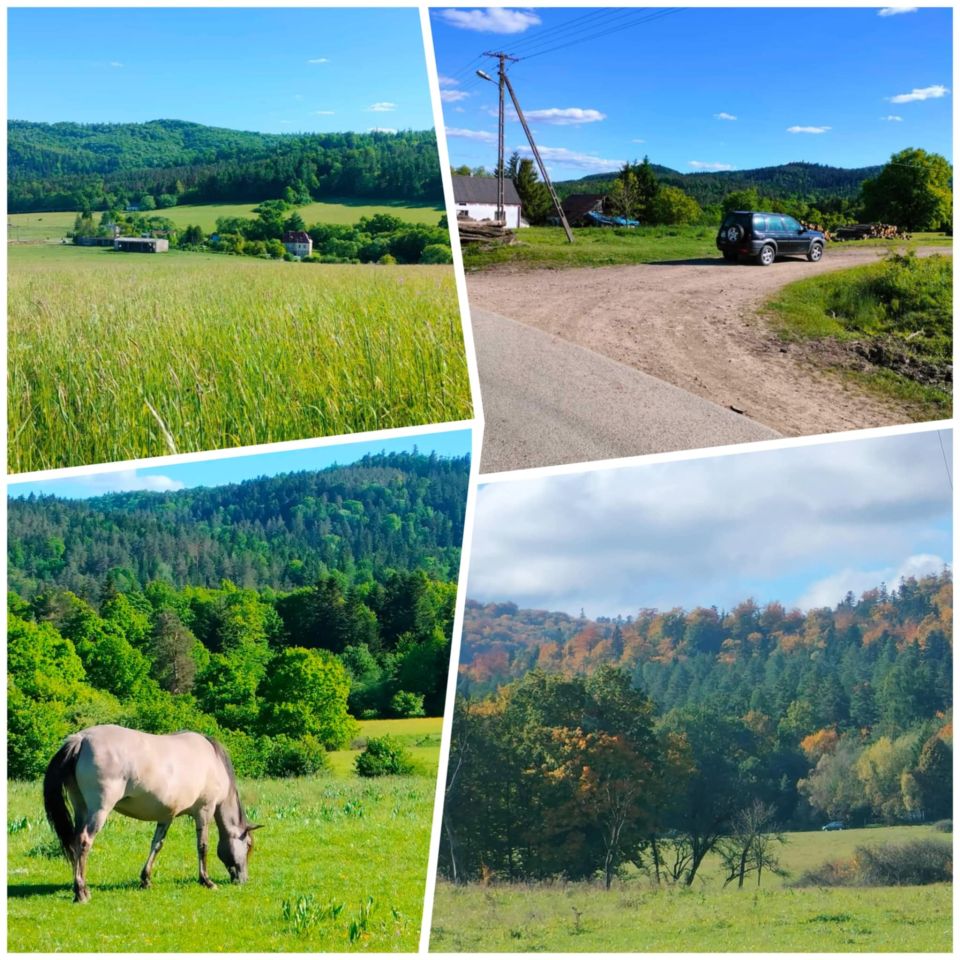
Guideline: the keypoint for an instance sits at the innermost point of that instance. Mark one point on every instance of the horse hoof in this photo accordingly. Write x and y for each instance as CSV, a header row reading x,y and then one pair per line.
x,y
81,896
144,883
209,884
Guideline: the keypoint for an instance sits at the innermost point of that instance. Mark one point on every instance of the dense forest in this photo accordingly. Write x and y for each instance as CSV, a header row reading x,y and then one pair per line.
x,y
269,613
71,166
812,181
583,745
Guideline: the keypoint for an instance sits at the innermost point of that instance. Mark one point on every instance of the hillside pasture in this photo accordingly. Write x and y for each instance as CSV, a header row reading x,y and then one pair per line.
x,y
547,247
707,917
55,226
117,356
329,844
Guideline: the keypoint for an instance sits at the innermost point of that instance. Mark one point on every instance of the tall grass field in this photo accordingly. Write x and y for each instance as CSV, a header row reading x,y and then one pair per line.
x,y
707,917
340,865
115,356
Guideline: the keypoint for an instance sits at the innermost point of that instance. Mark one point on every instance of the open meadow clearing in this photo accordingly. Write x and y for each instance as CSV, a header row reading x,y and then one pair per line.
x,y
56,225
634,916
348,857
113,357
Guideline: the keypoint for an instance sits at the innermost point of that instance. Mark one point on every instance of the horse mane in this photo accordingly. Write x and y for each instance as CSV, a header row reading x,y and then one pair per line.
x,y
221,751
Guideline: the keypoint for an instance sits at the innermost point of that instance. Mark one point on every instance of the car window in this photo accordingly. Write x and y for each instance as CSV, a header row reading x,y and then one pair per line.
x,y
792,224
775,224
759,223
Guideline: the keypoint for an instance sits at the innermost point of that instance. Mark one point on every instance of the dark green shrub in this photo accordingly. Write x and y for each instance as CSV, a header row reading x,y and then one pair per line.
x,y
944,826
406,704
382,757
436,253
910,864
287,757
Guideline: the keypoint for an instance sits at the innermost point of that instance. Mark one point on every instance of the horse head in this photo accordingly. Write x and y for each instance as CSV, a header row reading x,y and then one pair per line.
x,y
234,849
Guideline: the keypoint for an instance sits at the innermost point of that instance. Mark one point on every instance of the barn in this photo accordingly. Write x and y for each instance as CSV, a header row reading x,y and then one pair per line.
x,y
141,244
476,198
298,242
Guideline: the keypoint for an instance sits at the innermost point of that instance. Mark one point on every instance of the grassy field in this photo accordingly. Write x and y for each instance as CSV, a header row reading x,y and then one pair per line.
x,y
898,312
54,226
332,840
540,247
582,917
115,356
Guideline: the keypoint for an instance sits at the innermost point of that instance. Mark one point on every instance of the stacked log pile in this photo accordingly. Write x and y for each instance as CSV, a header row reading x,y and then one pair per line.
x,y
817,226
484,231
871,231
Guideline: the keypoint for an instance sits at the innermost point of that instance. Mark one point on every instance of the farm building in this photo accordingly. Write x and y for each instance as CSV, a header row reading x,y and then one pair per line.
x,y
578,205
93,241
142,244
476,198
298,242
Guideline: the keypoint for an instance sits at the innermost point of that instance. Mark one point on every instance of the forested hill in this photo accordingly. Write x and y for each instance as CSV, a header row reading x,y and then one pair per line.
x,y
389,511
885,658
812,181
72,166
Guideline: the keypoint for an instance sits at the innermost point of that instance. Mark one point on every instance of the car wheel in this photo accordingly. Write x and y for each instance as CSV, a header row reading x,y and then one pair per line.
x,y
730,256
735,233
766,256
815,252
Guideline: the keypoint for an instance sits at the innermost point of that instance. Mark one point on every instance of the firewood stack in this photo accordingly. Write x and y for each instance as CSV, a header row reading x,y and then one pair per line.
x,y
484,231
871,231
817,226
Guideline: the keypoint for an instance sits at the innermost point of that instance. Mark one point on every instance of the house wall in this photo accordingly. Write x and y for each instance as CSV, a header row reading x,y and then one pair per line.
x,y
488,211
299,249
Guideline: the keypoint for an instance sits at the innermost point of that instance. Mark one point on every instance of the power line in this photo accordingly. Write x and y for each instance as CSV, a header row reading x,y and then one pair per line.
x,y
573,31
946,465
595,36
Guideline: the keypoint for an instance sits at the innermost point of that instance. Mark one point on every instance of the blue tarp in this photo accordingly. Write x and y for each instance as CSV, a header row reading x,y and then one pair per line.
x,y
604,221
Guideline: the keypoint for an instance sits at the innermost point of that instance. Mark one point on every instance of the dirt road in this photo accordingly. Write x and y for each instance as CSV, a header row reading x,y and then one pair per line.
x,y
695,324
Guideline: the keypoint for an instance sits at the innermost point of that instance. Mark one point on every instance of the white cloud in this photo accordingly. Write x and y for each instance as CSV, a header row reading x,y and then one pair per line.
x,y
714,530
922,93
828,591
448,81
565,116
572,158
318,60
383,106
893,118
491,20
894,11
324,113
381,130
482,135
453,96
797,129
123,481
115,63
724,116
636,140
703,165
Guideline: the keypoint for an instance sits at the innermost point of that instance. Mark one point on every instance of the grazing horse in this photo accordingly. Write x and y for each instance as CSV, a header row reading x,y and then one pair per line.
x,y
147,777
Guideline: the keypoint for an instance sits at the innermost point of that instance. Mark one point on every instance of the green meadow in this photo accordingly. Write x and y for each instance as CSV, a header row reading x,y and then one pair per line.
x,y
118,356
54,226
707,917
339,866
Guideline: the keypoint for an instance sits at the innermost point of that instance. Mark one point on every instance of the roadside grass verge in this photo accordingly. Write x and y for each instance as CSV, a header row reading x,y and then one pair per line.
x,y
118,356
547,247
888,325
330,844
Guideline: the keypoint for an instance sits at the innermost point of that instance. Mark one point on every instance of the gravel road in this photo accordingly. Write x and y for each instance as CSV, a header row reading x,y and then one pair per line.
x,y
694,324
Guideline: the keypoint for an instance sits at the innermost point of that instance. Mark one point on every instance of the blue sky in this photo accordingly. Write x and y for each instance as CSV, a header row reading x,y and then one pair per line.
x,y
213,473
688,88
801,525
270,70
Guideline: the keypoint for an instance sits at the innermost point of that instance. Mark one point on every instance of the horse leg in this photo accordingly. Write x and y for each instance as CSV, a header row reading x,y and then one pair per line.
x,y
155,845
203,825
81,850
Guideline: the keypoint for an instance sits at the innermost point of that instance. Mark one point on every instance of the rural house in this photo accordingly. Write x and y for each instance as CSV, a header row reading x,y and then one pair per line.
x,y
298,243
476,198
141,244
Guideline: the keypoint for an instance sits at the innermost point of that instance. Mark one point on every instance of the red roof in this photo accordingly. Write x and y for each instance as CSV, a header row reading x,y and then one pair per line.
x,y
296,236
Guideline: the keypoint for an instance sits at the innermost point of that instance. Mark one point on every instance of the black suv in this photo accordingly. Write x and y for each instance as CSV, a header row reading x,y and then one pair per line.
x,y
766,236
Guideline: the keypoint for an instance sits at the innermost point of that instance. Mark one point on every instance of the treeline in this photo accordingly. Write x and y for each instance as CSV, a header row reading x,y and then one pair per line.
x,y
68,166
580,776
385,512
583,745
278,676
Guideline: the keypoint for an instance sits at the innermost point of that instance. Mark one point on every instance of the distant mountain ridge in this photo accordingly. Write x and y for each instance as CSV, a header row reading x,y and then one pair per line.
x,y
807,180
72,166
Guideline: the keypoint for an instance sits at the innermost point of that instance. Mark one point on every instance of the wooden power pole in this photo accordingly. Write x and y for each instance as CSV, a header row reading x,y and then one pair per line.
x,y
504,81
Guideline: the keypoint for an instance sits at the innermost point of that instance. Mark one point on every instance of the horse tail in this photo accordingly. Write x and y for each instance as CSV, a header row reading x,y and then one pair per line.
x,y
60,771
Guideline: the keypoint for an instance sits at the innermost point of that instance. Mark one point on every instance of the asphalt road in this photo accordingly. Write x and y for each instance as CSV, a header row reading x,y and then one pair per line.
x,y
547,401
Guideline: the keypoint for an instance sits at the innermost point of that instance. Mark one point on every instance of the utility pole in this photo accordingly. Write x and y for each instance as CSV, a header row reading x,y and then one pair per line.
x,y
504,81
